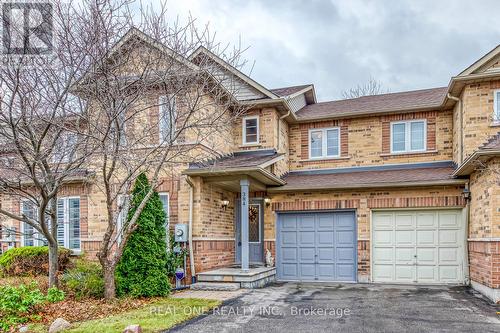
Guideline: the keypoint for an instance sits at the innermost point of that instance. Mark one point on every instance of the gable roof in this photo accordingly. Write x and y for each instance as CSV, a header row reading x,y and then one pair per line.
x,y
245,78
392,102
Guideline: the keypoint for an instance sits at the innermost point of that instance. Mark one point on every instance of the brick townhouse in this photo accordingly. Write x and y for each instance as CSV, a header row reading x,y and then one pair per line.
x,y
395,188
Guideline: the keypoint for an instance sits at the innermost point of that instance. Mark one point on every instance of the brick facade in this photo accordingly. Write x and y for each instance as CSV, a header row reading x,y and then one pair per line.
x,y
484,262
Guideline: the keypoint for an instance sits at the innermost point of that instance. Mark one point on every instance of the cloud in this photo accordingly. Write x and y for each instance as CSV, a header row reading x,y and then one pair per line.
x,y
338,44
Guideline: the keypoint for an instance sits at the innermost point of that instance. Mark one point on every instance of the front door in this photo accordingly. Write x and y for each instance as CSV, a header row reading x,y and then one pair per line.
x,y
255,231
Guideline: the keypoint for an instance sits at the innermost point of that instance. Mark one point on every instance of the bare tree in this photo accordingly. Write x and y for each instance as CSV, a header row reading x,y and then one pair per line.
x,y
156,103
40,127
372,87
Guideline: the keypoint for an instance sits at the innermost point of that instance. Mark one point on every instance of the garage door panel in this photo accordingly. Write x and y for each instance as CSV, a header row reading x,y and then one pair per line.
x,y
426,220
404,221
383,221
405,238
448,237
383,255
404,273
345,237
325,237
326,253
289,238
306,238
449,220
449,256
306,222
307,271
404,255
289,223
323,246
307,254
427,256
426,237
289,254
383,273
427,274
429,252
383,237
450,273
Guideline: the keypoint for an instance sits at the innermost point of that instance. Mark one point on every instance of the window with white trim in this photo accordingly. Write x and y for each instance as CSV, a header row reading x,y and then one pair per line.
x,y
64,149
168,115
250,130
165,201
408,136
496,105
324,142
68,224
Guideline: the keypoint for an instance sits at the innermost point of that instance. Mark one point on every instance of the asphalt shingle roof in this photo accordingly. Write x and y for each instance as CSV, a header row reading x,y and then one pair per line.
x,y
287,91
427,98
237,160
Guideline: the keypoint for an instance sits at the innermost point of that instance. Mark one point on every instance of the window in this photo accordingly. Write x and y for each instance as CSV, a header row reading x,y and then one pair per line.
x,y
64,149
496,105
254,223
68,224
168,115
324,143
251,130
164,198
408,136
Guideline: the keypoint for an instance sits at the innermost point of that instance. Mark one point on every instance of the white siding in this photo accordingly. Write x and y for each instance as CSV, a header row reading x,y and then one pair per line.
x,y
298,102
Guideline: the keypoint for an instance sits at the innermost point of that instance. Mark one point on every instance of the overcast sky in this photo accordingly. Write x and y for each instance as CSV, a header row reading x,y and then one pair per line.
x,y
335,44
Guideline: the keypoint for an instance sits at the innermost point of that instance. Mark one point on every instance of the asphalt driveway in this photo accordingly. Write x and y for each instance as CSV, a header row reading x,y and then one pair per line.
x,y
291,307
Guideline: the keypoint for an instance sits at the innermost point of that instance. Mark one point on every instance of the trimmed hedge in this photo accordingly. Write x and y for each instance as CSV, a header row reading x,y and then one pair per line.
x,y
31,260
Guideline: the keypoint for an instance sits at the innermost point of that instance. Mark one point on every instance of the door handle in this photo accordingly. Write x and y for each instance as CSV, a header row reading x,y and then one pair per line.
x,y
239,243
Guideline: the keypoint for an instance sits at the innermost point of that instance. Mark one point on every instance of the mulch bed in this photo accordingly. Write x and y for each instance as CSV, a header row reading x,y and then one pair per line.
x,y
88,309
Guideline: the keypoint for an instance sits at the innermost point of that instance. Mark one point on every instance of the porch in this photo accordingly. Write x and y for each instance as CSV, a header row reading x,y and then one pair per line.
x,y
240,181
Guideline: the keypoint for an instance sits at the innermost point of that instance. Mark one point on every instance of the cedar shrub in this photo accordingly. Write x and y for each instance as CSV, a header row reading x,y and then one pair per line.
x,y
141,271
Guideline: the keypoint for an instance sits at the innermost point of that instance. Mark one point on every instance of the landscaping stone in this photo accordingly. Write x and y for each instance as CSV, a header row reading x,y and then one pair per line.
x,y
24,329
59,325
132,329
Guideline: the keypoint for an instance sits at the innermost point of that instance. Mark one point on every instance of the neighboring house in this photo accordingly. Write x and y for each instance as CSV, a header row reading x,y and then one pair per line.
x,y
393,188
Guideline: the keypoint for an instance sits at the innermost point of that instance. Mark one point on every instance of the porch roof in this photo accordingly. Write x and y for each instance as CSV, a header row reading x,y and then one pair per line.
x,y
230,168
404,175
489,149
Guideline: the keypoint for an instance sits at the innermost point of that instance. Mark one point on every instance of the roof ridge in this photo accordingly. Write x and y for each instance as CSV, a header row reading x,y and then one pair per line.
x,y
295,86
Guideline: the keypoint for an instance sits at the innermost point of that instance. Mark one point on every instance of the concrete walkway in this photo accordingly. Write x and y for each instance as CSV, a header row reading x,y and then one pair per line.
x,y
207,294
293,307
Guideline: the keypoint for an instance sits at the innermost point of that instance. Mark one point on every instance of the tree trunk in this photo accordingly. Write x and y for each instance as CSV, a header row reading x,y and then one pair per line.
x,y
109,281
53,265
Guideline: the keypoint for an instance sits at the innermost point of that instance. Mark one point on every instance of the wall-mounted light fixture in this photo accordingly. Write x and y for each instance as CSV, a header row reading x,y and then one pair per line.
x,y
466,194
267,201
224,203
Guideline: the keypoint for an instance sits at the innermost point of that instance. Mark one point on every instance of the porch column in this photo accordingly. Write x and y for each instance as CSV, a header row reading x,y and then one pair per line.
x,y
244,184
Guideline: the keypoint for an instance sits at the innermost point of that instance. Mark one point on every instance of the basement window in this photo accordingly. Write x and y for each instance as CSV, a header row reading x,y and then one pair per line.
x,y
408,136
250,130
324,143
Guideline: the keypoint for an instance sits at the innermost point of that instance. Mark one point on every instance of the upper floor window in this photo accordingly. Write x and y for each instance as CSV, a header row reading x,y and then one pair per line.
x,y
408,136
251,130
496,106
168,114
324,142
64,149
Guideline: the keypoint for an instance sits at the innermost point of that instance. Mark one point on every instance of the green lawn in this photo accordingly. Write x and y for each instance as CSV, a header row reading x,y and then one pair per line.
x,y
154,317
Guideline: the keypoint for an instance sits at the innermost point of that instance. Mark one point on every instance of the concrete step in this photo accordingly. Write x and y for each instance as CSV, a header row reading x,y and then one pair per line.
x,y
221,286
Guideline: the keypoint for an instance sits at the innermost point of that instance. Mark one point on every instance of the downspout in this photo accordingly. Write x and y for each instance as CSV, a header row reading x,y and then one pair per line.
x,y
190,230
467,214
459,101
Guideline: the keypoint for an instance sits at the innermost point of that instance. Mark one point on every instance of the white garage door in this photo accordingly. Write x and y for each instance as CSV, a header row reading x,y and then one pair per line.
x,y
422,246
